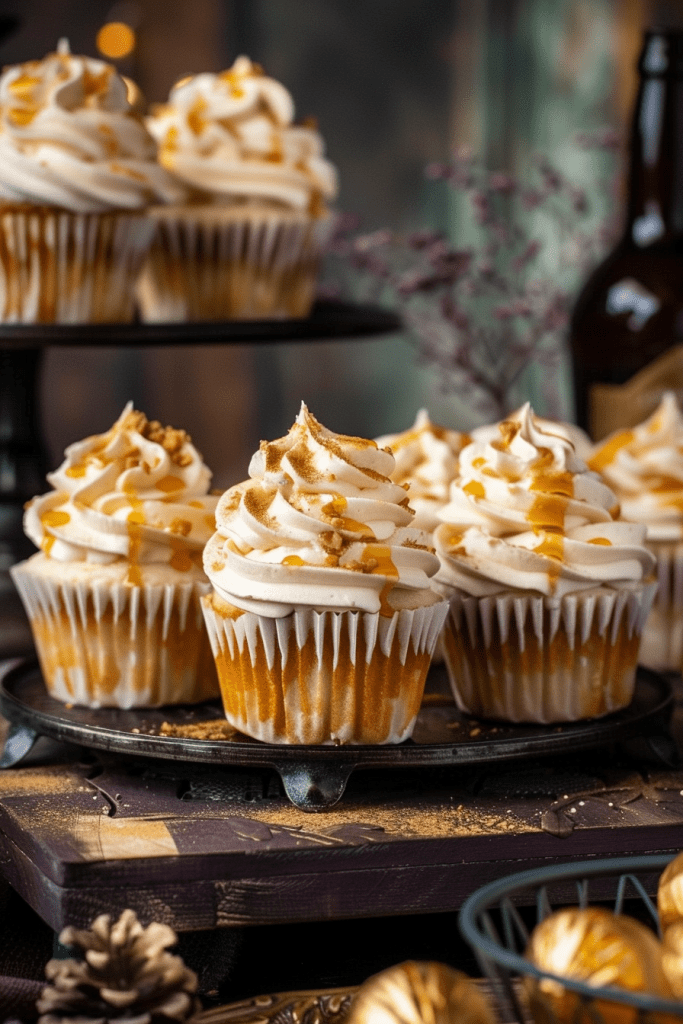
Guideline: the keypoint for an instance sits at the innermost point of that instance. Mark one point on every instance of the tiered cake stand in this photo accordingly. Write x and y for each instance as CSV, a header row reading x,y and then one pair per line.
x,y
313,778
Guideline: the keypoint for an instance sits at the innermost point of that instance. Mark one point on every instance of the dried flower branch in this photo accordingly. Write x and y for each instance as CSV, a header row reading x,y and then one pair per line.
x,y
481,315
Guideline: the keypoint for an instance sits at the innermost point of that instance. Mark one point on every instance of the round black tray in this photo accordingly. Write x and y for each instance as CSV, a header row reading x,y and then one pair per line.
x,y
314,777
329,319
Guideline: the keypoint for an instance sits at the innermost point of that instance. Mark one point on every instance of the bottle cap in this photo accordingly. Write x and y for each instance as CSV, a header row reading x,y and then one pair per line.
x,y
662,54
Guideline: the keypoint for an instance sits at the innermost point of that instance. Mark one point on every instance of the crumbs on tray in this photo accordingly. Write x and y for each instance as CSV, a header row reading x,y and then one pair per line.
x,y
212,729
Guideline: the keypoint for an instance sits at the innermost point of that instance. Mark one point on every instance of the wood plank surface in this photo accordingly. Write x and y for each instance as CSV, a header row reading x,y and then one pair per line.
x,y
202,849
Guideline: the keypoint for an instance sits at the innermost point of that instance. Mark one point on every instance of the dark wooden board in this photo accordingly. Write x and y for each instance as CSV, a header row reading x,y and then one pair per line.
x,y
80,839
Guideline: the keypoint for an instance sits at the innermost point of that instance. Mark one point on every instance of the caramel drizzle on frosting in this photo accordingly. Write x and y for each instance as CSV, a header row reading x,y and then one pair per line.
x,y
551,491
52,518
334,512
376,560
606,453
547,513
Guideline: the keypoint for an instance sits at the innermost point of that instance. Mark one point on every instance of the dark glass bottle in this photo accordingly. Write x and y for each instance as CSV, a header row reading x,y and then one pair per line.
x,y
627,326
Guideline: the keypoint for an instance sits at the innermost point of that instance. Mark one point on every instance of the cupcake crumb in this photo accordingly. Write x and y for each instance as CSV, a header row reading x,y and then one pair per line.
x,y
212,729
171,439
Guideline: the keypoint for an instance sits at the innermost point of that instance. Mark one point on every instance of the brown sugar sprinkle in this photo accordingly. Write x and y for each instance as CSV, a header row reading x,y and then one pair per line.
x,y
419,547
257,502
274,451
181,527
213,729
171,440
301,459
337,446
332,541
231,500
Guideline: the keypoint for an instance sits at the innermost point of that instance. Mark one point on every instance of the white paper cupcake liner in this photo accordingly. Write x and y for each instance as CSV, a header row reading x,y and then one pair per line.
x,y
538,659
113,645
323,677
217,264
661,646
70,268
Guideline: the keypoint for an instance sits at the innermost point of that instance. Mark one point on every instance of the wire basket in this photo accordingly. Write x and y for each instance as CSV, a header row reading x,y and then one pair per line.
x,y
497,921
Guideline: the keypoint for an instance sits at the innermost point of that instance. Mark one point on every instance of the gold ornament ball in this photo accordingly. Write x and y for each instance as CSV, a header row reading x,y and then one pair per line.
x,y
594,946
670,893
420,993
672,957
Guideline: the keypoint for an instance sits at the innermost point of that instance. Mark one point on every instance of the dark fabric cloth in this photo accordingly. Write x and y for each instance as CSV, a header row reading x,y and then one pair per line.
x,y
18,999
26,944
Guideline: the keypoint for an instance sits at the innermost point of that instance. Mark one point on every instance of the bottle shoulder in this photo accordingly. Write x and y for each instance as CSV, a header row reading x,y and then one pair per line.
x,y
649,279
646,264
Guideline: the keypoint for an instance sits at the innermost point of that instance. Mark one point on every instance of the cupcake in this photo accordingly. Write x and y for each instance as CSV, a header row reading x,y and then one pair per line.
x,y
113,595
322,618
248,242
77,170
426,462
549,589
644,467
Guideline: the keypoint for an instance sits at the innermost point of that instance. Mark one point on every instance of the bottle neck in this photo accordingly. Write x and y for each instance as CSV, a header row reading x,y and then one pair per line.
x,y
655,203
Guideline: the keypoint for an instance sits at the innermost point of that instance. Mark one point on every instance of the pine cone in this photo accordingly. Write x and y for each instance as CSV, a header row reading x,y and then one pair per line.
x,y
126,977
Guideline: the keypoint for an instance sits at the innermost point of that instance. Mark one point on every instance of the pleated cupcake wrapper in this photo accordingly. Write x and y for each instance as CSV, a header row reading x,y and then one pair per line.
x,y
119,646
536,659
662,642
246,268
70,268
324,677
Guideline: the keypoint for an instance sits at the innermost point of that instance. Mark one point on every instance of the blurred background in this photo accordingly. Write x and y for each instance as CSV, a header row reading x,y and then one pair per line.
x,y
396,87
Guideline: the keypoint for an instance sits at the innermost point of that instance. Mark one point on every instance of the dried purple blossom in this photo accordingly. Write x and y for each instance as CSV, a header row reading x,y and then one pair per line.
x,y
481,316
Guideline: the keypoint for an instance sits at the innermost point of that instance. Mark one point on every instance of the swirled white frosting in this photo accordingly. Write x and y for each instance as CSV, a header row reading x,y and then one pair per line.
x,y
139,493
69,138
319,523
427,462
583,446
527,514
231,138
644,466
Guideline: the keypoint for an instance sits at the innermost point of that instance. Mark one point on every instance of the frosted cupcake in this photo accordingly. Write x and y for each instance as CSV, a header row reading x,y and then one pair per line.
x,y
323,619
77,170
426,462
248,243
644,467
549,588
113,595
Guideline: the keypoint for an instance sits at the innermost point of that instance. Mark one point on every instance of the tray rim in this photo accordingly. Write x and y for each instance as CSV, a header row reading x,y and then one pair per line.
x,y
329,320
576,736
